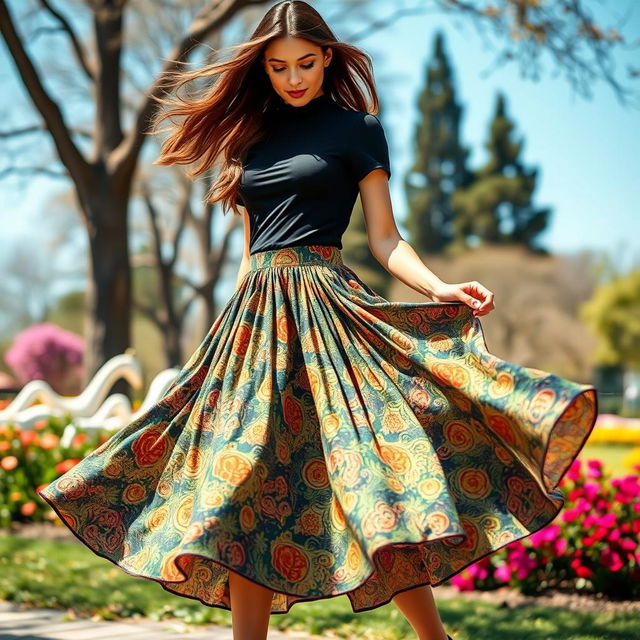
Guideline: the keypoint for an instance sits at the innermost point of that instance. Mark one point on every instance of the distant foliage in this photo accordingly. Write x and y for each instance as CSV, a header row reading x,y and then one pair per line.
x,y
48,352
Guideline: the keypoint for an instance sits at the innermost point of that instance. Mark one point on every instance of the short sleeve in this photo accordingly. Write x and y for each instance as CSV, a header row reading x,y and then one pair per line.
x,y
369,150
239,200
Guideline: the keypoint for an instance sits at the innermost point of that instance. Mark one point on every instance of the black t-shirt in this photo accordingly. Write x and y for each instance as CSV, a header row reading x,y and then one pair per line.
x,y
299,184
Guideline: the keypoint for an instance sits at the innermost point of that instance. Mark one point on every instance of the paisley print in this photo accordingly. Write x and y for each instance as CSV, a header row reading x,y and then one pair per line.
x,y
322,440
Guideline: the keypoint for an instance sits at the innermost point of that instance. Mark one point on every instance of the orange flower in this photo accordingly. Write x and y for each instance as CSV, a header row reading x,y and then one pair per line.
x,y
65,465
8,463
15,495
79,439
28,508
49,441
28,437
40,424
5,445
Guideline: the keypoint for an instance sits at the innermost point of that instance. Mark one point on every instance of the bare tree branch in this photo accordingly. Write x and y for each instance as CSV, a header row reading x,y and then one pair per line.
x,y
212,17
67,150
41,128
77,46
32,171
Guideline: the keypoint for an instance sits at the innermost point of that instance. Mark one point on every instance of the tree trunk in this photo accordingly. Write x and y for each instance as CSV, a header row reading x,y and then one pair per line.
x,y
108,304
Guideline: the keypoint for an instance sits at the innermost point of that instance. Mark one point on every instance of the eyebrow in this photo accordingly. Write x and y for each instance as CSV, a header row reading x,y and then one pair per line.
x,y
306,55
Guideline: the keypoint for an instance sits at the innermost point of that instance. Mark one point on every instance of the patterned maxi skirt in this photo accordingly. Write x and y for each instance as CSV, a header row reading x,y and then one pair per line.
x,y
323,440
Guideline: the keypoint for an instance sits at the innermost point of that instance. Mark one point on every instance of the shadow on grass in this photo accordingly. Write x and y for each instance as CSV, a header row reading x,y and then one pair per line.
x,y
63,574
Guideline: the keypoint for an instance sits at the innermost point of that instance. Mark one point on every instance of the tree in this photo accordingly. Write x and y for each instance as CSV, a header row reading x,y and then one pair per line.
x,y
440,163
103,181
102,177
164,293
613,314
496,206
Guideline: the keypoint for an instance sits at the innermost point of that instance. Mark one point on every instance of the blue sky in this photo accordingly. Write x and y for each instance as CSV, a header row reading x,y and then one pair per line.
x,y
586,151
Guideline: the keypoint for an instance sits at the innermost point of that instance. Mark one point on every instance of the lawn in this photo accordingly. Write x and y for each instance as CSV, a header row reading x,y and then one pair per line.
x,y
65,574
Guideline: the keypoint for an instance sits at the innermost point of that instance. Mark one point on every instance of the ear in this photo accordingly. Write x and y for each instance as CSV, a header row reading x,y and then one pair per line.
x,y
328,55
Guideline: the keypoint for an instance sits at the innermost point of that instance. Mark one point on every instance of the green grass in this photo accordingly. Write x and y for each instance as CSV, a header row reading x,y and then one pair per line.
x,y
66,574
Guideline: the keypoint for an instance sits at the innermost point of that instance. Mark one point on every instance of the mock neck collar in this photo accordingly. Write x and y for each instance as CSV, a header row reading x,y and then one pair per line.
x,y
315,105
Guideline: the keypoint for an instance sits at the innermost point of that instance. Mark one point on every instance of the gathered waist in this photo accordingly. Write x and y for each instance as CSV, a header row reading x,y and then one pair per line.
x,y
291,256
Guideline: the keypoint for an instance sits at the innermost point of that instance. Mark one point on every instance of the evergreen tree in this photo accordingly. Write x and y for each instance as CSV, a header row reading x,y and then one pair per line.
x,y
440,164
496,207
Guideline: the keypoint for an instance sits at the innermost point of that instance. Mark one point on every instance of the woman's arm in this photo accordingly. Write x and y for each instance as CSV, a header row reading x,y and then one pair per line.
x,y
245,262
398,257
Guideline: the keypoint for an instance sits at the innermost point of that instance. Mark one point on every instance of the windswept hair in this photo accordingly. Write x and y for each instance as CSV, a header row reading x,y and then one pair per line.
x,y
223,120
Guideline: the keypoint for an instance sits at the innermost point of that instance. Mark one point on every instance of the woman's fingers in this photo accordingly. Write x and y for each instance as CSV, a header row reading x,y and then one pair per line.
x,y
480,293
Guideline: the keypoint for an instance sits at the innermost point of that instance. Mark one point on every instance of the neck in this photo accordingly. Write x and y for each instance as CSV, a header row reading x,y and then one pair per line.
x,y
314,105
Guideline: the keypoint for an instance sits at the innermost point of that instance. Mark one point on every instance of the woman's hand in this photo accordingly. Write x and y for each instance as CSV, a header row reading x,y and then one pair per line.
x,y
478,297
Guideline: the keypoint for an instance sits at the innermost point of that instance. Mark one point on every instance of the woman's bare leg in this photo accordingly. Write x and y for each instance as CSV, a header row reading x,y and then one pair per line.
x,y
419,608
250,608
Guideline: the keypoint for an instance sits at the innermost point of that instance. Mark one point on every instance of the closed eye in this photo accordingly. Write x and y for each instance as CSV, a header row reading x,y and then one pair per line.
x,y
304,66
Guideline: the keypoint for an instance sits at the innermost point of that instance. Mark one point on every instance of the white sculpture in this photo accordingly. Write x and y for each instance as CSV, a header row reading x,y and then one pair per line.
x,y
92,409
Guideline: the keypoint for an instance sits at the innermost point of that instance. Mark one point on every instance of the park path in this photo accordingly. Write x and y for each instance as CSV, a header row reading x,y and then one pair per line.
x,y
22,623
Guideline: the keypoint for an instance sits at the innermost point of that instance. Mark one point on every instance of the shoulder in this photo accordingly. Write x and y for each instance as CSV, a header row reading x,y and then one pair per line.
x,y
362,126
361,119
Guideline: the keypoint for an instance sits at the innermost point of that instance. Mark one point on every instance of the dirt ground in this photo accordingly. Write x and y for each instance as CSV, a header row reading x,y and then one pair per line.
x,y
504,597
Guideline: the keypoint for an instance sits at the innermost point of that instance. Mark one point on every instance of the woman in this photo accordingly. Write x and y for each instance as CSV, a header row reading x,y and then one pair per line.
x,y
321,440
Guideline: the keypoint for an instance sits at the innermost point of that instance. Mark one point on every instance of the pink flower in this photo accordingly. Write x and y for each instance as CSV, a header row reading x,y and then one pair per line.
x,y
574,473
630,486
611,560
522,563
569,515
600,533
462,582
614,535
594,468
548,534
559,546
627,544
502,573
591,490
584,505
479,569
608,520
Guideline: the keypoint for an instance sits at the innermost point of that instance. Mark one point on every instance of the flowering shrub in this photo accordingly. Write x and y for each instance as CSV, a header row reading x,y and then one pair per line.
x,y
47,352
593,545
30,459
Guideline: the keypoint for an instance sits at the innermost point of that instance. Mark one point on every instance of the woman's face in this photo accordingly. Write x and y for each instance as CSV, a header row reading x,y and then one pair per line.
x,y
296,65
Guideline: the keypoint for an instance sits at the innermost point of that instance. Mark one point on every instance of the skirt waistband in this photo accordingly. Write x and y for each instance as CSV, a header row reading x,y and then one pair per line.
x,y
290,256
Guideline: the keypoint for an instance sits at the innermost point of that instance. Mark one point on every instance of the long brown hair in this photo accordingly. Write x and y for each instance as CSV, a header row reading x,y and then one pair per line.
x,y
225,119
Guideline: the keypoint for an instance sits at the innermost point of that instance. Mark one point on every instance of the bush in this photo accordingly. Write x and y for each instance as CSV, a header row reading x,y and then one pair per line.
x,y
591,547
30,459
47,352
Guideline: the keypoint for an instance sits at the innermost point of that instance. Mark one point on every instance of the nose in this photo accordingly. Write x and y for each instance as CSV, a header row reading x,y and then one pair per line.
x,y
294,78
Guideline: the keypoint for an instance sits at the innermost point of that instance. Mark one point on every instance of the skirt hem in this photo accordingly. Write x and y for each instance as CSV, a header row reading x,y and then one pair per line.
x,y
165,584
